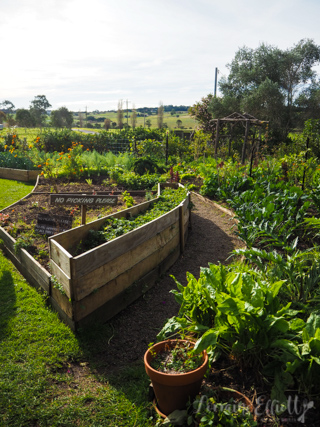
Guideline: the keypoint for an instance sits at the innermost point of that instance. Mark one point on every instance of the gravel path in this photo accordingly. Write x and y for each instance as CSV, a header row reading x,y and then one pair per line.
x,y
211,239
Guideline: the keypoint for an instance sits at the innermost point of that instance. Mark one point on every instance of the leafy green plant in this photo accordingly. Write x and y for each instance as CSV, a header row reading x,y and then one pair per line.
x,y
176,357
57,285
23,242
237,311
211,411
300,270
128,200
144,164
115,227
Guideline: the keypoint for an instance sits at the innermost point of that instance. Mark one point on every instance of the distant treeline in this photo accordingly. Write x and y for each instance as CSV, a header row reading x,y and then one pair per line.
x,y
146,110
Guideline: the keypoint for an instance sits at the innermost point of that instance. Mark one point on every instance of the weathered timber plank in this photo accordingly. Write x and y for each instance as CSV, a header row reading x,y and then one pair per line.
x,y
37,281
62,278
63,302
96,257
110,290
60,256
112,307
181,226
7,239
84,285
18,174
63,316
39,274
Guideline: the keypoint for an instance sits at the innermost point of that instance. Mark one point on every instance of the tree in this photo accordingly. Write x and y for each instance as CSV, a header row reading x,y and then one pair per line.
x,y
200,111
7,106
179,123
268,80
308,103
133,117
107,124
120,114
61,118
2,117
148,123
38,109
24,118
80,119
160,115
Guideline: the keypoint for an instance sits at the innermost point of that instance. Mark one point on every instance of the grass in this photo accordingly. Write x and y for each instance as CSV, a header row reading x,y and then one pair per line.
x,y
51,376
187,121
11,191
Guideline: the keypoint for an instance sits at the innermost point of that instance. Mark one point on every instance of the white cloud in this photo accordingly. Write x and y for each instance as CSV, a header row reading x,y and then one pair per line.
x,y
77,52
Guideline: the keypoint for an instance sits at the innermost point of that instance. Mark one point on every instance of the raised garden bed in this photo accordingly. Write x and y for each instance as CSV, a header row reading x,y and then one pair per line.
x,y
19,174
99,283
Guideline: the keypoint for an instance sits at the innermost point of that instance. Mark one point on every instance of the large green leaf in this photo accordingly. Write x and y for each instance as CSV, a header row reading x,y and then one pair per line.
x,y
287,346
208,339
313,323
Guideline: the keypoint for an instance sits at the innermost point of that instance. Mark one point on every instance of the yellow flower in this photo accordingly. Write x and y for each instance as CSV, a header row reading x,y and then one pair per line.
x,y
30,146
5,147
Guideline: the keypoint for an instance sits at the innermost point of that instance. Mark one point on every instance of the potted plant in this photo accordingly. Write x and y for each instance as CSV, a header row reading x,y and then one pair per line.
x,y
223,406
176,373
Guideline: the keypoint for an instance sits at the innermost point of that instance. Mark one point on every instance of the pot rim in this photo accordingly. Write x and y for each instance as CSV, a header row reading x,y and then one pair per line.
x,y
160,344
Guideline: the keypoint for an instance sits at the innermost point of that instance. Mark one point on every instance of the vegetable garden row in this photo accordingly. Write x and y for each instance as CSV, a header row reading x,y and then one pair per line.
x,y
265,309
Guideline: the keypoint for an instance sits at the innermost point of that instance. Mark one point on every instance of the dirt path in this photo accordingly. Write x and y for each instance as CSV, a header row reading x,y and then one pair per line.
x,y
211,239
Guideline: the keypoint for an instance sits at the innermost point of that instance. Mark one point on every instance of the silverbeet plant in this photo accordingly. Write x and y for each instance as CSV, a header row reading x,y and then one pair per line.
x,y
238,312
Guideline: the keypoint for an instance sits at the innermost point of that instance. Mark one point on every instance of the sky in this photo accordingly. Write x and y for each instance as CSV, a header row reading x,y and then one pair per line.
x,y
91,54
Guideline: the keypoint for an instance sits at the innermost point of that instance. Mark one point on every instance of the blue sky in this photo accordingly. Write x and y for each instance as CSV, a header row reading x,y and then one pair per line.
x,y
91,54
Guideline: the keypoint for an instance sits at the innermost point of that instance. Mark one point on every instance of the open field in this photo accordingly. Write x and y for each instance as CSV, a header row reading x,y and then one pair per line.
x,y
171,120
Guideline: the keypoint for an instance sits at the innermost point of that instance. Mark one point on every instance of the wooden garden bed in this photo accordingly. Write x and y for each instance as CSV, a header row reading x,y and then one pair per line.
x,y
18,174
101,282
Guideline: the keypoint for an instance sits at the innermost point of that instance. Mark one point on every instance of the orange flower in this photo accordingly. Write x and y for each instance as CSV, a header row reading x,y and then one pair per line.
x,y
69,157
39,166
88,149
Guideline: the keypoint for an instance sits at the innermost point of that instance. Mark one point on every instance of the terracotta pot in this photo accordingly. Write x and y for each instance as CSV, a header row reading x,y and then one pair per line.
x,y
223,395
173,391
227,393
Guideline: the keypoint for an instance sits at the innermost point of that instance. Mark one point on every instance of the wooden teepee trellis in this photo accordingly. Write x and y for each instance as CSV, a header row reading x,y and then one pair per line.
x,y
246,119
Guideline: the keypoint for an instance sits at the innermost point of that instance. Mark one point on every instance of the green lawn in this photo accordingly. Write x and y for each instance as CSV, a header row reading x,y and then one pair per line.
x,y
46,376
11,191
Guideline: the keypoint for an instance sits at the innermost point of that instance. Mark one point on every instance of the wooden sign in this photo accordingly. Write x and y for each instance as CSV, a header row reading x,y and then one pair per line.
x,y
83,199
52,224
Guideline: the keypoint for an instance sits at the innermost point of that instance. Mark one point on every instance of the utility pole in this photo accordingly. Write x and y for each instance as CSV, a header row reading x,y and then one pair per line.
x,y
215,82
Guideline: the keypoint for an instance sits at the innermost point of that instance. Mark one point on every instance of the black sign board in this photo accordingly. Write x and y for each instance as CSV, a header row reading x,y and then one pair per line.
x,y
52,224
83,199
